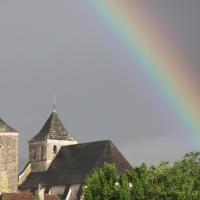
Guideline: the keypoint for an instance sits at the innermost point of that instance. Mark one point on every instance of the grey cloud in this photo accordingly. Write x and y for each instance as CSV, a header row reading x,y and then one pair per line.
x,y
50,47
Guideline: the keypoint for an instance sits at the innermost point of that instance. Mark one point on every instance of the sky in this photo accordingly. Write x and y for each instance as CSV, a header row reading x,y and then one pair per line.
x,y
52,48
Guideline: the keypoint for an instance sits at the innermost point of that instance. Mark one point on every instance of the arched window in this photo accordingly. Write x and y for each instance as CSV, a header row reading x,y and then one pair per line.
x,y
55,150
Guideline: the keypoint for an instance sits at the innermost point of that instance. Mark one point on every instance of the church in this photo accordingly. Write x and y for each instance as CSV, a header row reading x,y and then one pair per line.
x,y
58,164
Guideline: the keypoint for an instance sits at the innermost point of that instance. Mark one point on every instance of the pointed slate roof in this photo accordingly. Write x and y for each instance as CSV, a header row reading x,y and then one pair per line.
x,y
53,129
5,128
74,163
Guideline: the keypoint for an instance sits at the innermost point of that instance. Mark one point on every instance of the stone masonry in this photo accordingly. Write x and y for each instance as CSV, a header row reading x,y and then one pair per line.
x,y
9,145
44,146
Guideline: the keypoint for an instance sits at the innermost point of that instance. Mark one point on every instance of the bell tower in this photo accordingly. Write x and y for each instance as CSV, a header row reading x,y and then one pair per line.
x,y
45,145
9,158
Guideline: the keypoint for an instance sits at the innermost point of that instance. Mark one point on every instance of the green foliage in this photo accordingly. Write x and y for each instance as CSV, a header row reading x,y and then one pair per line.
x,y
36,197
180,181
106,184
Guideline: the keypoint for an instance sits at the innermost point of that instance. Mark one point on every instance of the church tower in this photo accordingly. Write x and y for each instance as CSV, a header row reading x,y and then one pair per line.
x,y
45,145
9,158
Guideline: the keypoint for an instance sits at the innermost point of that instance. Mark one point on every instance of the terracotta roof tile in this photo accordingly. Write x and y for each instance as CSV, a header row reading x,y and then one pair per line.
x,y
50,197
17,196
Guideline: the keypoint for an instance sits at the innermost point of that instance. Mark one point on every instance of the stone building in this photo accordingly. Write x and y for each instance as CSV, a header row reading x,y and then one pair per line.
x,y
9,153
58,165
46,144
70,168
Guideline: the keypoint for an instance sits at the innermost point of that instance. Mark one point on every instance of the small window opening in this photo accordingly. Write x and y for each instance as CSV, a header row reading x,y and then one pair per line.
x,y
34,153
42,153
55,150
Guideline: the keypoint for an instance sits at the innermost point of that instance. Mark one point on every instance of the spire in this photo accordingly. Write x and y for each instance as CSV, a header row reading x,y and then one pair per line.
x,y
54,104
53,129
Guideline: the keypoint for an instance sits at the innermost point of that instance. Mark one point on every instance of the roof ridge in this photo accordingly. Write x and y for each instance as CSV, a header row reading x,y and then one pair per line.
x,y
52,118
84,143
103,150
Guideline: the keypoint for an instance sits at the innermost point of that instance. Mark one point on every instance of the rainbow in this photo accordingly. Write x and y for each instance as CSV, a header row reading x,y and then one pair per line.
x,y
155,57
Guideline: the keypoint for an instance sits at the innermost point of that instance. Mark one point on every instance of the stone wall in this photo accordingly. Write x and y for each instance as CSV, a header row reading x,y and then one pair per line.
x,y
37,156
53,147
73,192
57,190
37,151
9,160
42,153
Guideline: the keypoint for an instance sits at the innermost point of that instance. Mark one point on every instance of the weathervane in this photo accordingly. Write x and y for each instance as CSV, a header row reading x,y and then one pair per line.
x,y
54,104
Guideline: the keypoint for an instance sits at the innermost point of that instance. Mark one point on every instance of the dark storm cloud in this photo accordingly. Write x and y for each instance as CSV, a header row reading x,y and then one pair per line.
x,y
50,47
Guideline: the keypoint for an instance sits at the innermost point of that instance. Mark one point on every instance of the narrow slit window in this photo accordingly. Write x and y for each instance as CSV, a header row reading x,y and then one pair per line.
x,y
55,150
42,153
34,153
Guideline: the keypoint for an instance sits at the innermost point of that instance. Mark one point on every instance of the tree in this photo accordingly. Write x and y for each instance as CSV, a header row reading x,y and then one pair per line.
x,y
180,181
104,183
167,182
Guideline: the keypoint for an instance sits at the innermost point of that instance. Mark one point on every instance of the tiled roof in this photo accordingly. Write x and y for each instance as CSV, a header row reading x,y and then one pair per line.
x,y
17,196
24,196
53,129
75,162
50,197
4,128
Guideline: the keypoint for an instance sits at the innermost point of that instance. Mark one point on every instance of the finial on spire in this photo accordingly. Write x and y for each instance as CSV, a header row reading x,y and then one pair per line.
x,y
54,104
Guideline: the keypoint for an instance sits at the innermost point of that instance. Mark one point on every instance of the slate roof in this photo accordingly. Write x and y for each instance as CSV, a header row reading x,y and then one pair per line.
x,y
75,162
53,129
5,128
